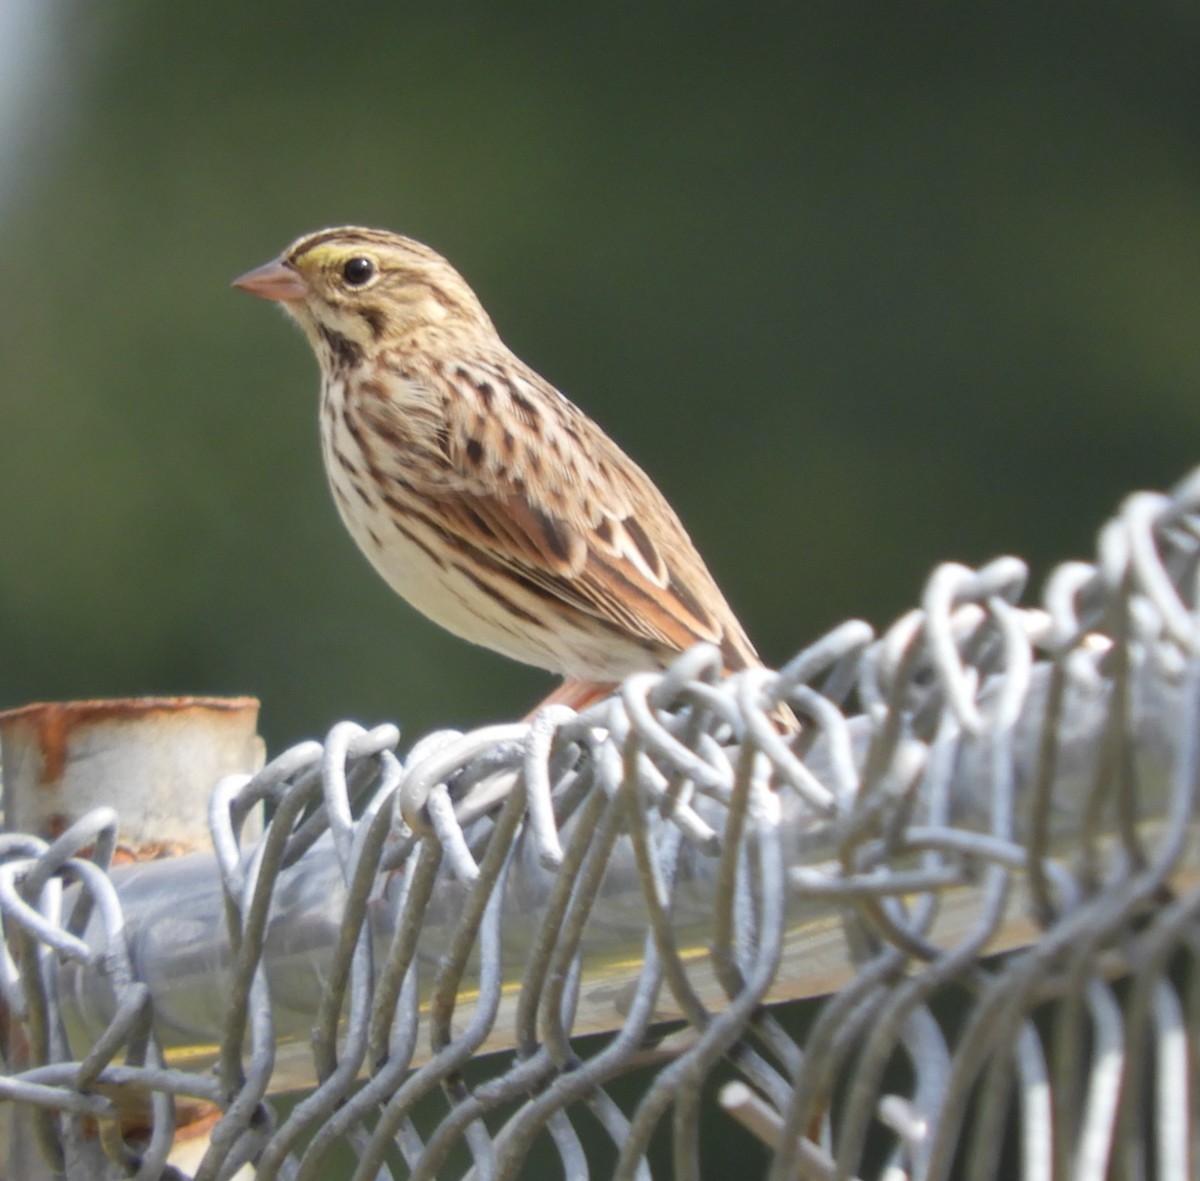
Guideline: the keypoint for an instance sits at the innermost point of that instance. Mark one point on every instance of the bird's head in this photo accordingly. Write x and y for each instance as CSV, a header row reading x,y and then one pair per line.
x,y
356,291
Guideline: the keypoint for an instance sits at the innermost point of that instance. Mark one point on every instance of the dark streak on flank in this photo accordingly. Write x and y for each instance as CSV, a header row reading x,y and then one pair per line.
x,y
492,593
487,395
388,431
474,452
604,530
401,510
356,433
344,461
432,554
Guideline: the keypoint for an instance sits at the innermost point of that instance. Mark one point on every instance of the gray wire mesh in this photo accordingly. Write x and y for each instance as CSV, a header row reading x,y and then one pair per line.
x,y
982,846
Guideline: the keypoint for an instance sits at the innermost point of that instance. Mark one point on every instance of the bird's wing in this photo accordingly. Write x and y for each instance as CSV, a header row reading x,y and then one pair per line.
x,y
536,488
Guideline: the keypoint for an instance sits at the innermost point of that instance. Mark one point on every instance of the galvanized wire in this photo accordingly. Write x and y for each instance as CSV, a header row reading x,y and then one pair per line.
x,y
982,845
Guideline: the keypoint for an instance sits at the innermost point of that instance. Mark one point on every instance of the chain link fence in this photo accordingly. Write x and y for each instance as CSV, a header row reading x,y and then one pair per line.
x,y
553,948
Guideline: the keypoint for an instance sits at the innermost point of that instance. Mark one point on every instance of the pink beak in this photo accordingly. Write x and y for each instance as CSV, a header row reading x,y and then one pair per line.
x,y
274,280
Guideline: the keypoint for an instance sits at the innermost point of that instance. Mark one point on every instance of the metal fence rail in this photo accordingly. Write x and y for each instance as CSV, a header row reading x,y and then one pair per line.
x,y
982,777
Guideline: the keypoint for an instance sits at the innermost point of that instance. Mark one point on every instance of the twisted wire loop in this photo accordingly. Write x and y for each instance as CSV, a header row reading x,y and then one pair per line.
x,y
982,846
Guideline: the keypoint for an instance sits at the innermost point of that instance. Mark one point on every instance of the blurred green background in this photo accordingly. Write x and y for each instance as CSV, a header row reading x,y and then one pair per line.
x,y
864,286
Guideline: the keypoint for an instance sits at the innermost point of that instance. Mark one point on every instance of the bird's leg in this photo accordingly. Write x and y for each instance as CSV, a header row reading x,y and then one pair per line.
x,y
577,693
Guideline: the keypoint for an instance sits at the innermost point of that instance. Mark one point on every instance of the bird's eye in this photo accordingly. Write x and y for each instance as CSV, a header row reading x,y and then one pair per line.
x,y
358,270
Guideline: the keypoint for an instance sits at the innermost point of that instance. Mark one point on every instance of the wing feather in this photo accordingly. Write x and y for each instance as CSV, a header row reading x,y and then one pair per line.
x,y
551,497
525,482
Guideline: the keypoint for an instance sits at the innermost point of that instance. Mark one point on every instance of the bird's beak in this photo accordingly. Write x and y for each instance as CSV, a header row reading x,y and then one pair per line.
x,y
274,280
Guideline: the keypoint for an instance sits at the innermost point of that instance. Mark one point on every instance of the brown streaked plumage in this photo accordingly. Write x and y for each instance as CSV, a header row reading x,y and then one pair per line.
x,y
477,490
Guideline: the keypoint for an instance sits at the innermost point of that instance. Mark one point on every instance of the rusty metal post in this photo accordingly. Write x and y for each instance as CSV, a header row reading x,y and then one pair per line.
x,y
153,759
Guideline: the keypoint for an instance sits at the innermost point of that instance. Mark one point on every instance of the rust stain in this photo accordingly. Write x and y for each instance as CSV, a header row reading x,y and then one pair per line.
x,y
55,721
56,824
127,854
193,1117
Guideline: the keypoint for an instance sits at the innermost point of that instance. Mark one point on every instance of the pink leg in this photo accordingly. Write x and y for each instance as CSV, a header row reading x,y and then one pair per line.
x,y
576,693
